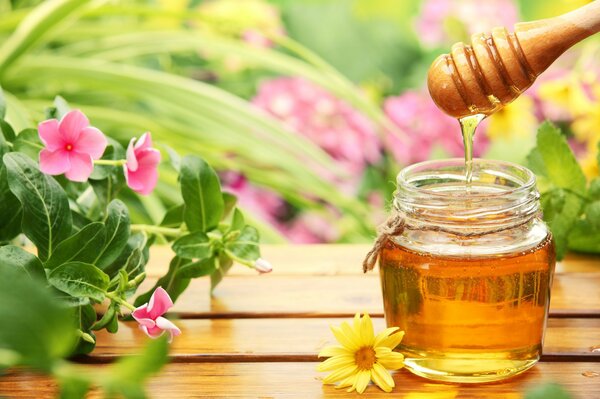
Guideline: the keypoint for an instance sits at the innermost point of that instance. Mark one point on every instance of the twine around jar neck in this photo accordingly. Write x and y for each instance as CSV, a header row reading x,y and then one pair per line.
x,y
393,226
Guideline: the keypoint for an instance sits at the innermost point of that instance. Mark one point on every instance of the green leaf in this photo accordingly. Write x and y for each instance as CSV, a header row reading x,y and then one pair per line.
x,y
73,387
28,142
37,24
117,233
201,193
10,222
561,166
137,240
585,235
169,282
594,190
246,246
229,201
127,376
36,325
561,211
80,279
17,258
200,268
225,263
114,151
535,162
2,104
46,214
6,131
82,246
194,246
237,221
84,317
548,391
62,107
173,217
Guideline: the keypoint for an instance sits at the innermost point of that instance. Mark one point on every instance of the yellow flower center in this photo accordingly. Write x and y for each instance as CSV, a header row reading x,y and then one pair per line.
x,y
365,358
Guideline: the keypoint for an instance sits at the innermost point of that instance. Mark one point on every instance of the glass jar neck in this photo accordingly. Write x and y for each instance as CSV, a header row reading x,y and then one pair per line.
x,y
434,195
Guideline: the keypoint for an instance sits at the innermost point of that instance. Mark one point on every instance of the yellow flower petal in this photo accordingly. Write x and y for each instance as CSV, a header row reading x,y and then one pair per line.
x,y
357,322
362,380
334,351
393,340
341,337
392,361
366,331
382,351
383,335
382,378
352,335
340,374
347,382
336,362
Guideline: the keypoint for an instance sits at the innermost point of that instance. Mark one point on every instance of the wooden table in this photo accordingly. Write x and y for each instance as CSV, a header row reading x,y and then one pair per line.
x,y
259,335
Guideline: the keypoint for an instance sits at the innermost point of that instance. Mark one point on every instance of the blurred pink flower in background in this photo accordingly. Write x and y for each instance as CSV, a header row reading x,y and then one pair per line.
x,y
427,127
311,228
347,135
264,204
444,22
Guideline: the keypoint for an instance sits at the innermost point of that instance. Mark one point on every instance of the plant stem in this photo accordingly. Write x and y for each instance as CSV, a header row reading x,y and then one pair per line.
x,y
148,228
115,298
115,162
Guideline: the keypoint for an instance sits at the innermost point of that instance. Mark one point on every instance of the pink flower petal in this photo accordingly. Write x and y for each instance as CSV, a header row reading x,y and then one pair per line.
x,y
54,162
48,132
152,332
91,141
81,166
141,312
72,124
142,181
144,142
168,326
160,302
132,163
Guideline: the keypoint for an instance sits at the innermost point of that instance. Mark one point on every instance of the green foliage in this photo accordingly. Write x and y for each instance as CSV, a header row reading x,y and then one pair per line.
x,y
80,279
548,391
36,328
46,214
201,193
571,208
17,259
81,246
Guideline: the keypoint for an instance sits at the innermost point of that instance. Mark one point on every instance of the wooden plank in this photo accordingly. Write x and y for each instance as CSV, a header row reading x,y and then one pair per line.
x,y
280,340
300,380
335,259
274,295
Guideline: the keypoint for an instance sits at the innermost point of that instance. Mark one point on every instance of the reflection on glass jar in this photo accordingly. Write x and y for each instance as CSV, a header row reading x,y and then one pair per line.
x,y
469,278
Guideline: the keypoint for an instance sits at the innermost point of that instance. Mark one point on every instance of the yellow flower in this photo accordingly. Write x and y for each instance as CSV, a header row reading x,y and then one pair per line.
x,y
516,120
363,356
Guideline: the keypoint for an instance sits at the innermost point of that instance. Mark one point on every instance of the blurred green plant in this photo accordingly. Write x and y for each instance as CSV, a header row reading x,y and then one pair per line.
x,y
99,56
571,205
39,332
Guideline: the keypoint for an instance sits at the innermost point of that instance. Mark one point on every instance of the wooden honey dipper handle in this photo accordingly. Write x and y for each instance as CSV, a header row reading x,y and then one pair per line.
x,y
496,68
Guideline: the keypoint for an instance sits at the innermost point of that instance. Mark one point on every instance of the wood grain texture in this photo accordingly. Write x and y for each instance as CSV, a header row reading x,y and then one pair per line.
x,y
333,259
275,295
300,380
301,339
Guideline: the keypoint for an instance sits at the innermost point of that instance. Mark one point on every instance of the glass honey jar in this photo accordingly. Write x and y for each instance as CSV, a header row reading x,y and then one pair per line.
x,y
468,276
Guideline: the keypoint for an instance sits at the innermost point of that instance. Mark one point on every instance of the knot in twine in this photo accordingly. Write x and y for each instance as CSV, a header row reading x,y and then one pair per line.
x,y
393,226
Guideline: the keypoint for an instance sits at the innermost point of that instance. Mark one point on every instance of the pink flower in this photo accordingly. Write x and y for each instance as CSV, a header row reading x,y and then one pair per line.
x,y
443,22
141,169
71,146
150,316
263,266
347,135
427,127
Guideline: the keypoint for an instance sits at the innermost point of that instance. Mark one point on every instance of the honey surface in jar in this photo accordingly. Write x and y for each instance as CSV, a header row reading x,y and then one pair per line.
x,y
468,315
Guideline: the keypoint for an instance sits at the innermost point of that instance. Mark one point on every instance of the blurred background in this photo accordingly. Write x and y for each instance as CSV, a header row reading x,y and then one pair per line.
x,y
308,109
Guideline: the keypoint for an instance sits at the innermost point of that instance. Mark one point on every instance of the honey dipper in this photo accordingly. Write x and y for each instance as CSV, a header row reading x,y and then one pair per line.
x,y
496,68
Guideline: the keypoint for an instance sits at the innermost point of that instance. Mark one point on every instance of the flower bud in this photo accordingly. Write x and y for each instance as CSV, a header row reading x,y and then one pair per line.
x,y
263,266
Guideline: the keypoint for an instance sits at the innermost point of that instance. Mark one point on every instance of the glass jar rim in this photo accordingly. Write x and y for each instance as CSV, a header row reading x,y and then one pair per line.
x,y
527,183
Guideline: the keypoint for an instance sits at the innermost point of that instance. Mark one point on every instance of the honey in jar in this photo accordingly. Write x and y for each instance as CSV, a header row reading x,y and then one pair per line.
x,y
468,279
